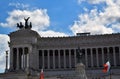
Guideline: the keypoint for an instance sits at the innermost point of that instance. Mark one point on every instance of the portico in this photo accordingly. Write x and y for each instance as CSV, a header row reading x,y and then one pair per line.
x,y
65,58
20,58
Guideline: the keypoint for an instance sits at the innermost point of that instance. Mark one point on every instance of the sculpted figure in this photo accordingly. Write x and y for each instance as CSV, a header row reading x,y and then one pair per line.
x,y
79,55
30,25
20,26
26,22
26,26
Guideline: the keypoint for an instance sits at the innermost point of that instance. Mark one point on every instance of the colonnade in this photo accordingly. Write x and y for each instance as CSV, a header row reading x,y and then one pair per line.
x,y
66,58
20,58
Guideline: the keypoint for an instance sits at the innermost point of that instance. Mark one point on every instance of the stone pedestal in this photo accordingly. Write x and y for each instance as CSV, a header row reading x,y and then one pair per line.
x,y
80,71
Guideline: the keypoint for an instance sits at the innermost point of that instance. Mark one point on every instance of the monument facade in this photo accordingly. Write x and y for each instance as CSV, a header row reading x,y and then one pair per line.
x,y
29,53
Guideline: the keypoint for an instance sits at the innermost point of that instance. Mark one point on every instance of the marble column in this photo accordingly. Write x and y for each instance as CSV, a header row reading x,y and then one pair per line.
x,y
91,58
22,61
6,69
23,58
86,59
97,60
64,59
11,58
103,62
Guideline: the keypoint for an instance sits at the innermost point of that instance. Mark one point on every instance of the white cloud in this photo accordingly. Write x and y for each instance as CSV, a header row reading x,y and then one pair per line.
x,y
91,1
39,18
3,47
104,21
80,1
51,33
19,5
96,1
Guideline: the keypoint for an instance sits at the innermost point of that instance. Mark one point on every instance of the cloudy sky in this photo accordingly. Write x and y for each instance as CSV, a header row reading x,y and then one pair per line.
x,y
53,18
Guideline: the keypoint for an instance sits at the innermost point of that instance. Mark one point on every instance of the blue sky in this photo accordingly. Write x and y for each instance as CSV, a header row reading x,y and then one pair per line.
x,y
61,13
53,18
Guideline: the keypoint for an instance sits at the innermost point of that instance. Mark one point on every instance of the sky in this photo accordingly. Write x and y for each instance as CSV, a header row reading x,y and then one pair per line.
x,y
58,18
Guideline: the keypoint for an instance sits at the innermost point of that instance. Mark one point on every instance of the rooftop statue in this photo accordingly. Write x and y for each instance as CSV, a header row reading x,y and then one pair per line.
x,y
26,22
30,24
20,25
26,26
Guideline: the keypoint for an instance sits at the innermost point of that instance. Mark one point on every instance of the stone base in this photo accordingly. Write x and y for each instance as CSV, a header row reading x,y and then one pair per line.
x,y
80,71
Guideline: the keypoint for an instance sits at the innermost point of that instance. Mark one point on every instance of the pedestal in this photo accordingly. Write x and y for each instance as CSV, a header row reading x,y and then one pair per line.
x,y
80,71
